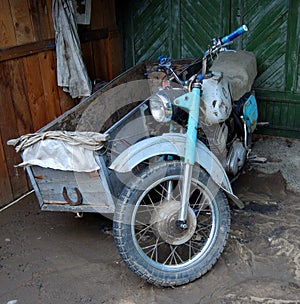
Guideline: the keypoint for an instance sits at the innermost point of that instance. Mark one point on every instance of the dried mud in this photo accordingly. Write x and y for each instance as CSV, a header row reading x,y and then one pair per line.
x,y
56,258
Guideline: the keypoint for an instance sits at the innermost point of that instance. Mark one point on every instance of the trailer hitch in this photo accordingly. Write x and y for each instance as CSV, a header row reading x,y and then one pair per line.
x,y
69,201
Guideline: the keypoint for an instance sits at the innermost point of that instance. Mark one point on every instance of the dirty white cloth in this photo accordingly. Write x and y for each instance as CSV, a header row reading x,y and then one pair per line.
x,y
60,150
239,68
71,71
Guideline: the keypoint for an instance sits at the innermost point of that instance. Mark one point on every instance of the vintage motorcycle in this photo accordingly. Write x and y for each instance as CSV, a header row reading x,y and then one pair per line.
x,y
169,186
172,221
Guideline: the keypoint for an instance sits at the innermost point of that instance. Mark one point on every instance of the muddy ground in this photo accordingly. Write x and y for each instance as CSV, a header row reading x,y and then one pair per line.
x,y
56,258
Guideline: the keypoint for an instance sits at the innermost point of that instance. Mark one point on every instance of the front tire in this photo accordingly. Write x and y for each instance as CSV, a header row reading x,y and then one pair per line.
x,y
145,230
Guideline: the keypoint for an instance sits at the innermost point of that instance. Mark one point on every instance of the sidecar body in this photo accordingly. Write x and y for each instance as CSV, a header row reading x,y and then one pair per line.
x,y
61,178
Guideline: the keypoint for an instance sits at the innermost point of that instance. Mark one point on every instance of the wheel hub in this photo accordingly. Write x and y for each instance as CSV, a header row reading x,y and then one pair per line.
x,y
164,220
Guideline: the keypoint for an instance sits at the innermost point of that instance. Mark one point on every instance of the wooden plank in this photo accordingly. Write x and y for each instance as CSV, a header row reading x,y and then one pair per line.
x,y
22,21
51,183
48,76
65,100
103,14
35,91
7,32
87,55
49,7
291,114
100,59
9,130
175,33
42,24
114,55
293,46
5,186
19,99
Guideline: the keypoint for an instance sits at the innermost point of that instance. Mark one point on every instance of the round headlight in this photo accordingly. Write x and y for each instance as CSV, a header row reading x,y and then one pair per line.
x,y
161,107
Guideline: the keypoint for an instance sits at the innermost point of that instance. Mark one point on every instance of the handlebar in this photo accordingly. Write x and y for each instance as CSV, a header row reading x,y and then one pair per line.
x,y
241,30
219,43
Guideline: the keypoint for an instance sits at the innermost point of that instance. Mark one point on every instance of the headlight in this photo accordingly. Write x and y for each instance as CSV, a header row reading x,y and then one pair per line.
x,y
161,107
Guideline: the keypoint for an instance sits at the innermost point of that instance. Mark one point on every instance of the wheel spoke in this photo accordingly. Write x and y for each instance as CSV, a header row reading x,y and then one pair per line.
x,y
155,250
153,206
169,190
170,256
160,192
194,204
193,247
142,232
190,249
201,204
203,232
178,256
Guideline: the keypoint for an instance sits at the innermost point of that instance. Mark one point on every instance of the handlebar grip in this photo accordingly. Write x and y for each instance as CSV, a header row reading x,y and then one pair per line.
x,y
241,30
162,60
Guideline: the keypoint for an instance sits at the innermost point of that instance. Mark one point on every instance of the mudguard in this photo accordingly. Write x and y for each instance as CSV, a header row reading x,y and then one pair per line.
x,y
174,144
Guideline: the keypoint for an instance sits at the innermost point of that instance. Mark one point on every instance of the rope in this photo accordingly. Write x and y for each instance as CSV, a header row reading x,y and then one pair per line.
x,y
89,140
16,201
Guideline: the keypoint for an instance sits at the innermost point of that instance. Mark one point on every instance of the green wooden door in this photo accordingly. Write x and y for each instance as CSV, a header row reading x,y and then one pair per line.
x,y
184,28
274,37
176,28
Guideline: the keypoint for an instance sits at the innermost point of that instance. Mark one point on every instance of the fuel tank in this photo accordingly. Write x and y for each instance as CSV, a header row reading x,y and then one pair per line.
x,y
216,103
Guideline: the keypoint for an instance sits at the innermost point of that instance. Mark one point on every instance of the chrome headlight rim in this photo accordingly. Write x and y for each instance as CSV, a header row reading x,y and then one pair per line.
x,y
161,107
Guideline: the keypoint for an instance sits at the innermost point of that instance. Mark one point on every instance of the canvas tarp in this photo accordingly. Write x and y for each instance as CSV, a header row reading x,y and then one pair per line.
x,y
60,150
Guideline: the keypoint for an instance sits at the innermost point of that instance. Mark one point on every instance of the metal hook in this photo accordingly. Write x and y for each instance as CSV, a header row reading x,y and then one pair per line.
x,y
69,201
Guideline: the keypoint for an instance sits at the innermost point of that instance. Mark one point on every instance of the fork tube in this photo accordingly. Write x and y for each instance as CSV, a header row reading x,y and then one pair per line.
x,y
191,102
185,195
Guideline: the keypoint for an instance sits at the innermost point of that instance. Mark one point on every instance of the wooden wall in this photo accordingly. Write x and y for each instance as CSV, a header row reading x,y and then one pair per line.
x,y
29,96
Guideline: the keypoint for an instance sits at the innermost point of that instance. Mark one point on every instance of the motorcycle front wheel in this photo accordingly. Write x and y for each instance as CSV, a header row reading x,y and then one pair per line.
x,y
145,225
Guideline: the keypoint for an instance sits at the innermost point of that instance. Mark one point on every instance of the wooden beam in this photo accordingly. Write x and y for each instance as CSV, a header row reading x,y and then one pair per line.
x,y
26,49
48,44
92,35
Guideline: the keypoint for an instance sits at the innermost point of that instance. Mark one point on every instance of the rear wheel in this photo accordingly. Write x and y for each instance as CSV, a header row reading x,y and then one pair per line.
x,y
146,233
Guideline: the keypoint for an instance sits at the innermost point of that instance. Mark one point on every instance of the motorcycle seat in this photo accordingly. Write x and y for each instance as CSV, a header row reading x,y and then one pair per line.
x,y
239,67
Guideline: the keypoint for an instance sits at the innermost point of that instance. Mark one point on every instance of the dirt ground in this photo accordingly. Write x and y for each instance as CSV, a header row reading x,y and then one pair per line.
x,y
49,257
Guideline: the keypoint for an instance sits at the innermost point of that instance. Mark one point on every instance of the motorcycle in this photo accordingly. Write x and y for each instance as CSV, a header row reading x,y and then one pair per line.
x,y
171,222
166,171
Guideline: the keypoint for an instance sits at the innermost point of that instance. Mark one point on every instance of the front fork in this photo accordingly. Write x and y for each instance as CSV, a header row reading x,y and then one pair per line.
x,y
190,102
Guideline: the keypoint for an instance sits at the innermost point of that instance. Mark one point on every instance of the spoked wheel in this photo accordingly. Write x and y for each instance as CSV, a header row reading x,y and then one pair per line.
x,y
146,233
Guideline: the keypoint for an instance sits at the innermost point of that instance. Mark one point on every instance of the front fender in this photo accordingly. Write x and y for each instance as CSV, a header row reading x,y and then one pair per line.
x,y
174,144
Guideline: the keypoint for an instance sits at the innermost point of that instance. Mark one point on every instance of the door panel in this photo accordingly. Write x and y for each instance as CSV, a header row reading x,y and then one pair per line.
x,y
184,28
